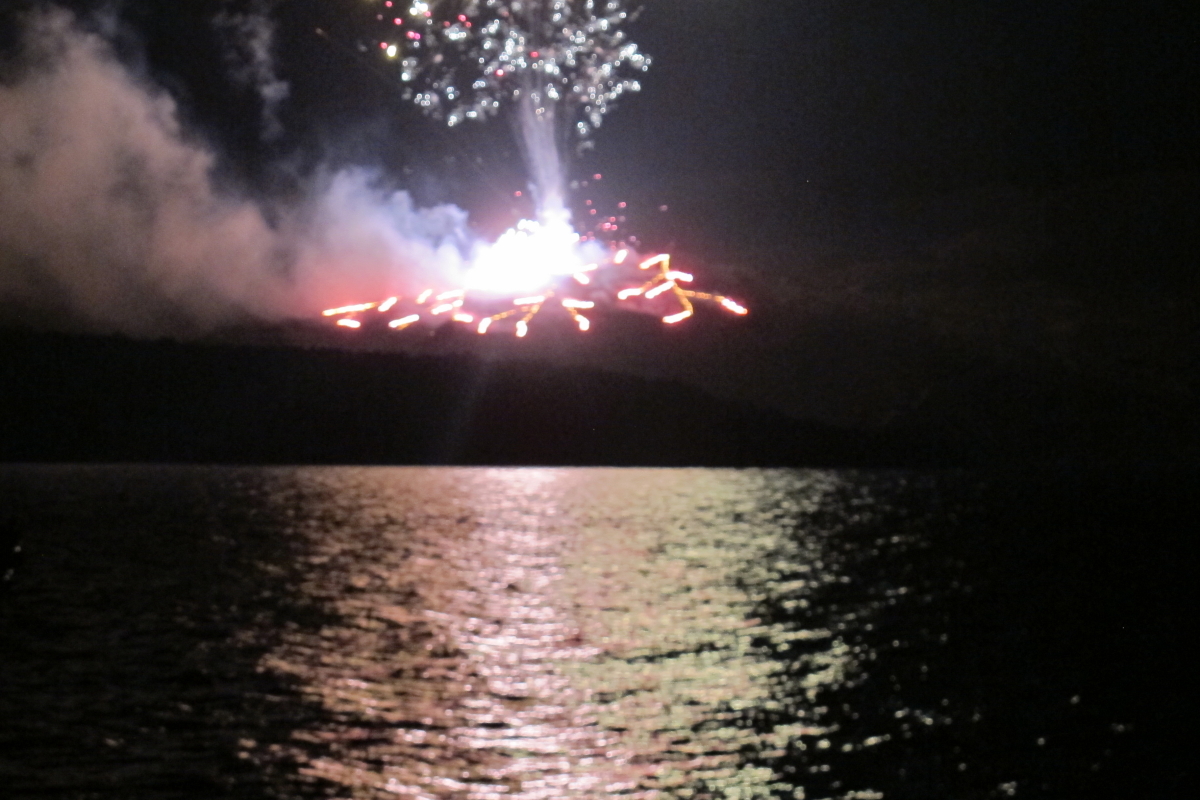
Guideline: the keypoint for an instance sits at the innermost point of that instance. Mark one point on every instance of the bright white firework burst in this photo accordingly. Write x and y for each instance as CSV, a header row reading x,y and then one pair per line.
x,y
527,258
465,59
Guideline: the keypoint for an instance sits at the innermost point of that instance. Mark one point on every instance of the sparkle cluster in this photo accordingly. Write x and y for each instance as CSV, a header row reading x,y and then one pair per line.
x,y
463,59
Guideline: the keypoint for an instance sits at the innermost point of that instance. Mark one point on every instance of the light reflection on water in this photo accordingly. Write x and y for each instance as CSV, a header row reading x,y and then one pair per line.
x,y
544,633
255,633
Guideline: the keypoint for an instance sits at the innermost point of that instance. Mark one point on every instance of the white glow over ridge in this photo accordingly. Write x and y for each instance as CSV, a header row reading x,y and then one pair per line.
x,y
526,258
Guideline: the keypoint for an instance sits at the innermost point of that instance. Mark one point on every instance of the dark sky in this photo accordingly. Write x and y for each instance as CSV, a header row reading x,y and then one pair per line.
x,y
892,97
903,190
862,101
857,103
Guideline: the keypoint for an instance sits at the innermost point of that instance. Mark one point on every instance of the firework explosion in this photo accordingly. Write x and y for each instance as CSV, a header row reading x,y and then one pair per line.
x,y
557,67
466,59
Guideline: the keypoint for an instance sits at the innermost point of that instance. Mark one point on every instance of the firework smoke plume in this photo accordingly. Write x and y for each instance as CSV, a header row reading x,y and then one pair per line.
x,y
110,218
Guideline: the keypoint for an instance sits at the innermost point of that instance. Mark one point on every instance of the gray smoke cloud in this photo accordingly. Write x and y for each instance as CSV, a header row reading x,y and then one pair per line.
x,y
249,39
110,218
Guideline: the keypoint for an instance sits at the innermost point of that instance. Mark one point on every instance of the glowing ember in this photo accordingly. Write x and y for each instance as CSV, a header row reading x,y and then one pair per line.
x,y
349,323
386,305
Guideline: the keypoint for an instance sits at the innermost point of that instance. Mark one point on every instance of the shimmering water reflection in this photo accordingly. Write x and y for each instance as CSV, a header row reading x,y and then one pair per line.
x,y
282,633
543,633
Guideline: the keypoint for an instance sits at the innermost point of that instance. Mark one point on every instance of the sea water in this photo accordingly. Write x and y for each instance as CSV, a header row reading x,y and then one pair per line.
x,y
526,634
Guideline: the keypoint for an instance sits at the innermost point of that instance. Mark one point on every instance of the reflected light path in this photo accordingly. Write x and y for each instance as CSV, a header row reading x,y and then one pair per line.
x,y
558,633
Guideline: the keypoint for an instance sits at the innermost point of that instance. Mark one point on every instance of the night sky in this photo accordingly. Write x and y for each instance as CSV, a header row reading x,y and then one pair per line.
x,y
924,203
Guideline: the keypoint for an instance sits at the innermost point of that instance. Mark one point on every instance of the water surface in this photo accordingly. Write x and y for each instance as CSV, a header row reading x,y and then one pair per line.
x,y
521,633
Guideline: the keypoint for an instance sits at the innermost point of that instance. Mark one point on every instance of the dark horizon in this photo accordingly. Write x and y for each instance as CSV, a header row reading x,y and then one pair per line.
x,y
84,398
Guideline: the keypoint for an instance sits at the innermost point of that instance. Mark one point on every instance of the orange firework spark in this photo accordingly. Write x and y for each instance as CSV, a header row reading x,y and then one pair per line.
x,y
665,286
333,312
404,322
668,280
455,304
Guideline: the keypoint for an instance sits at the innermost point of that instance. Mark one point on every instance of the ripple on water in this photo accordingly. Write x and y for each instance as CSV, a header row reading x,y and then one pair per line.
x,y
544,633
198,632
